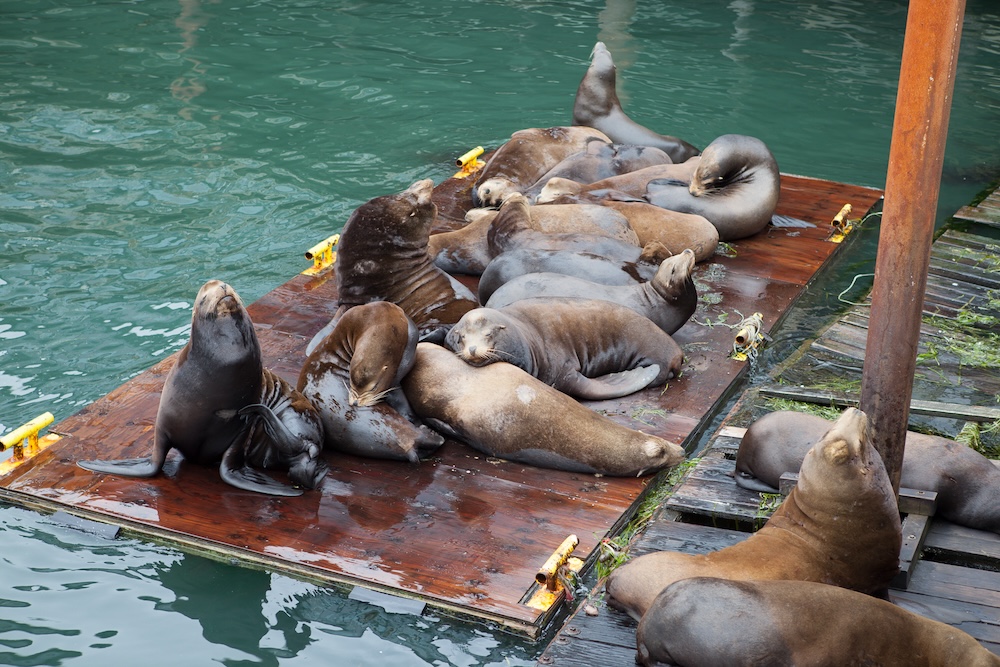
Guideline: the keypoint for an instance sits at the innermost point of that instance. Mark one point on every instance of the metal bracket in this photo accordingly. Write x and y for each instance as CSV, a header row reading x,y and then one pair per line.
x,y
25,442
550,580
841,225
322,255
469,162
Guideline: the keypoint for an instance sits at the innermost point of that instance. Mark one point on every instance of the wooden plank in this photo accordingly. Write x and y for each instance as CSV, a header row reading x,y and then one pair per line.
x,y
930,408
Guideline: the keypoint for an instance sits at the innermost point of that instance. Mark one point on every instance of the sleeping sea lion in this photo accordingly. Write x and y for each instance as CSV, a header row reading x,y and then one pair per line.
x,y
352,377
598,161
839,525
502,411
586,348
668,300
528,154
706,621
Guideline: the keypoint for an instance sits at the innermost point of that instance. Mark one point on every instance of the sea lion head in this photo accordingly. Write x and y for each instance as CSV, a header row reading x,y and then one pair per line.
x,y
730,160
558,187
476,336
220,324
843,456
602,66
673,279
493,191
404,217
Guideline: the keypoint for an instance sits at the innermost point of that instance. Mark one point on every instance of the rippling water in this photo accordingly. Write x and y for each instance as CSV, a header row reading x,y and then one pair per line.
x,y
148,145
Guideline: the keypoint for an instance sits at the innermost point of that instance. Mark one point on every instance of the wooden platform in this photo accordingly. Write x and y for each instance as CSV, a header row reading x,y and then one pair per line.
x,y
949,573
461,532
986,212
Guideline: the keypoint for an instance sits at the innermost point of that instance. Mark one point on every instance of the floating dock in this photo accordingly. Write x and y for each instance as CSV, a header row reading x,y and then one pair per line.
x,y
947,572
461,532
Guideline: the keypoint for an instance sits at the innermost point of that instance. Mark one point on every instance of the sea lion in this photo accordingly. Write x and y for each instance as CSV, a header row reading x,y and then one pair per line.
x,y
630,185
502,411
598,161
597,105
839,525
966,482
290,433
382,256
668,300
586,348
735,186
218,373
707,621
637,265
466,250
676,231
353,376
523,158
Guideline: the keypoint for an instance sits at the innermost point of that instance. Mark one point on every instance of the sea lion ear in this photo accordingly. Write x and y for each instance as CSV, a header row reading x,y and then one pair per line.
x,y
837,453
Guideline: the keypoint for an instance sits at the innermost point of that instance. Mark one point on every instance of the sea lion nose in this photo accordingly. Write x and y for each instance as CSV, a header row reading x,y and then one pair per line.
x,y
472,350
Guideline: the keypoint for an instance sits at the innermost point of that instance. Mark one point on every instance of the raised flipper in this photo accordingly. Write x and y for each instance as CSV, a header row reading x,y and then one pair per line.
x,y
145,467
275,428
236,472
613,385
443,428
751,483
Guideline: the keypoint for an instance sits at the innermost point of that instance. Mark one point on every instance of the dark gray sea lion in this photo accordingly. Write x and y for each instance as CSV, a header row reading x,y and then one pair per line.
x,y
502,411
966,482
382,256
676,231
288,433
839,525
528,154
668,300
637,265
707,621
735,186
598,161
597,106
466,250
586,348
218,373
353,376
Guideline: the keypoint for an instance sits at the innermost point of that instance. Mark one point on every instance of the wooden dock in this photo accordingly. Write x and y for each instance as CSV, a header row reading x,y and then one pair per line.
x,y
948,572
461,532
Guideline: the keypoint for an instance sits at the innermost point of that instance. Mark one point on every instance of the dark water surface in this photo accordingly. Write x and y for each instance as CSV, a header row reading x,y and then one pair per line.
x,y
147,146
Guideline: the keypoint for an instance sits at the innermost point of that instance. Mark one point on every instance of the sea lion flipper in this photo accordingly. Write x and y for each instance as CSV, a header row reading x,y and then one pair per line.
x,y
144,467
747,481
235,472
275,428
613,385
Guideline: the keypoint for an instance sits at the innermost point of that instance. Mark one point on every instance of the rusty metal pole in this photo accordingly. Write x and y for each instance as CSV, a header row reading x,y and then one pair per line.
x,y
916,154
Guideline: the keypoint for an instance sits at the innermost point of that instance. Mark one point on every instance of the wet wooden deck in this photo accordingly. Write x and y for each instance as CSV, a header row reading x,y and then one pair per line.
x,y
948,572
461,532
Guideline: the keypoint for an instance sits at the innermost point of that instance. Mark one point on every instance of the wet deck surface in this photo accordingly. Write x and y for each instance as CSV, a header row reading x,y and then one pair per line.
x,y
459,531
953,574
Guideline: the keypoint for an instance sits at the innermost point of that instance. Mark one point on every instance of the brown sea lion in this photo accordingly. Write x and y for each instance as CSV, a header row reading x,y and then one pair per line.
x,y
735,186
966,482
353,376
668,300
466,250
708,621
839,525
382,256
676,231
502,411
599,161
633,265
528,154
631,184
597,105
218,373
586,348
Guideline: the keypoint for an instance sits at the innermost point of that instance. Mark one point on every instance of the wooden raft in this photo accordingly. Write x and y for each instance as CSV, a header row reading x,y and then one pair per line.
x,y
947,572
460,531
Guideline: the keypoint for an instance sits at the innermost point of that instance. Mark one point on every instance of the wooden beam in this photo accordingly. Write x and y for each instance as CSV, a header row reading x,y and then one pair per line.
x,y
916,154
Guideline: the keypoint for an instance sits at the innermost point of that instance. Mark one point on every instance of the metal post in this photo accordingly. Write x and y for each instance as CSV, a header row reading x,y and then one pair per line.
x,y
919,131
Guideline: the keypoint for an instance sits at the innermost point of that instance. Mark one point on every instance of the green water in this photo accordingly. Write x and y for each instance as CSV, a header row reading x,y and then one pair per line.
x,y
146,146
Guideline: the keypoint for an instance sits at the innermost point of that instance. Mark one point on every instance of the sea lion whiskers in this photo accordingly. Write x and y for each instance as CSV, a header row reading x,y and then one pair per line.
x,y
365,399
